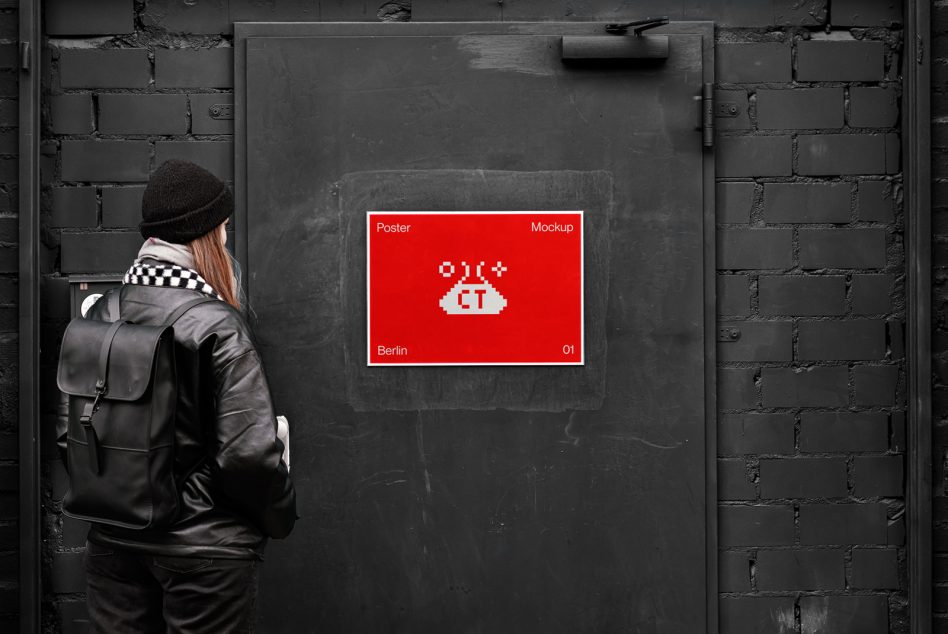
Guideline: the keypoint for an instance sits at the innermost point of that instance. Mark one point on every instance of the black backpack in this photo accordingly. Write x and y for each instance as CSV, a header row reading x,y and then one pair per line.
x,y
122,387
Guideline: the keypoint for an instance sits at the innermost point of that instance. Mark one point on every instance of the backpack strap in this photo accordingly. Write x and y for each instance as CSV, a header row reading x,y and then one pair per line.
x,y
186,306
101,389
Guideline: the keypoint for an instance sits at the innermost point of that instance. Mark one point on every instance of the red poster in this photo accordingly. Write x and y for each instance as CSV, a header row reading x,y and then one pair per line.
x,y
475,288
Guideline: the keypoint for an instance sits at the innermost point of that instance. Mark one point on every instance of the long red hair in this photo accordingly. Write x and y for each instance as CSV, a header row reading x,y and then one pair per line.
x,y
213,263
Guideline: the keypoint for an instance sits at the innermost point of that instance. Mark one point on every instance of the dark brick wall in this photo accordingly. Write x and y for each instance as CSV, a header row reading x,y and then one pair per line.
x,y
810,262
940,308
9,500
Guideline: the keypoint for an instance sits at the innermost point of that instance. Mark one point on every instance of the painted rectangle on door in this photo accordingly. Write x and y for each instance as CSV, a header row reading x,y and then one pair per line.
x,y
475,288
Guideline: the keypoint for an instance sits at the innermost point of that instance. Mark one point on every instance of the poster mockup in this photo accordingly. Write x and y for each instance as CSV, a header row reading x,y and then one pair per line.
x,y
475,288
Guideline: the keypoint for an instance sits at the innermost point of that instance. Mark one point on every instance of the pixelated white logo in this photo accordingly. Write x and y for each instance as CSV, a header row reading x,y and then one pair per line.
x,y
472,297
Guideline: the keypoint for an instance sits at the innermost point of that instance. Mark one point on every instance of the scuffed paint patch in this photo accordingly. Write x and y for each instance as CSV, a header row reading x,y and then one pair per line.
x,y
530,56
814,619
784,619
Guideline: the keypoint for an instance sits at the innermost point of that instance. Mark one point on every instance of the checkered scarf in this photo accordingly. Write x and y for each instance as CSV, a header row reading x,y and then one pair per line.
x,y
155,273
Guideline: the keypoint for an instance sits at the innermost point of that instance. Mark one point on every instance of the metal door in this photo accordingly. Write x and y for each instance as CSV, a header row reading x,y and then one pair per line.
x,y
484,499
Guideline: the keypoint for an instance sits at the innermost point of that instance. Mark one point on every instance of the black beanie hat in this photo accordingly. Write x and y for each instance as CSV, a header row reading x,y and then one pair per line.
x,y
183,201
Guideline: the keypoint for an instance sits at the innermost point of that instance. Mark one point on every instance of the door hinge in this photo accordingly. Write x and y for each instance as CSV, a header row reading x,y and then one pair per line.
x,y
728,334
707,115
24,56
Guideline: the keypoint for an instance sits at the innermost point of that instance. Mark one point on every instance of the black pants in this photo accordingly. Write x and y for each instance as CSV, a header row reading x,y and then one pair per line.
x,y
136,592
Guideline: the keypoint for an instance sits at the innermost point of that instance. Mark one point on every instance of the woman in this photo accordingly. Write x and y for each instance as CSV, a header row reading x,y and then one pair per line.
x,y
199,574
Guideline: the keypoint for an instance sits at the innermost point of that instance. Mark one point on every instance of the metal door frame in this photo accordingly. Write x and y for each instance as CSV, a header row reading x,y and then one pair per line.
x,y
245,30
917,176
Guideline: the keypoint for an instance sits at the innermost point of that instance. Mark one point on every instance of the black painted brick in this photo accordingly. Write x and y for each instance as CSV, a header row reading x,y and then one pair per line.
x,y
69,572
878,476
802,295
277,11
88,17
743,615
730,121
873,107
733,295
215,156
726,13
825,432
738,156
9,113
802,478
897,422
201,120
755,433
208,16
9,317
9,293
807,202
99,252
872,294
796,13
9,229
733,202
821,569
9,23
874,201
813,387
9,446
143,114
754,248
9,510
736,388
895,330
825,524
876,384
9,565
743,63
9,57
875,569
74,207
759,341
9,86
9,478
893,153
854,340
734,482
185,68
840,61
734,572
122,206
841,154
845,615
9,602
803,108
71,114
105,160
8,142
866,12
104,68
842,248
755,526
9,259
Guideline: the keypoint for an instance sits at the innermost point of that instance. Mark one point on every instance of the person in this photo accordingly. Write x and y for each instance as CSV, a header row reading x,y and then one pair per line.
x,y
200,573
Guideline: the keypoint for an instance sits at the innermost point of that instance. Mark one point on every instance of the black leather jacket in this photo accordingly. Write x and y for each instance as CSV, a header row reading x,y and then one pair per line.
x,y
235,489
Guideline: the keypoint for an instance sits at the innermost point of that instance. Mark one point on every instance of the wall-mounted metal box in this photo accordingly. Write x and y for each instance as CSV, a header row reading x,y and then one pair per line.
x,y
84,290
